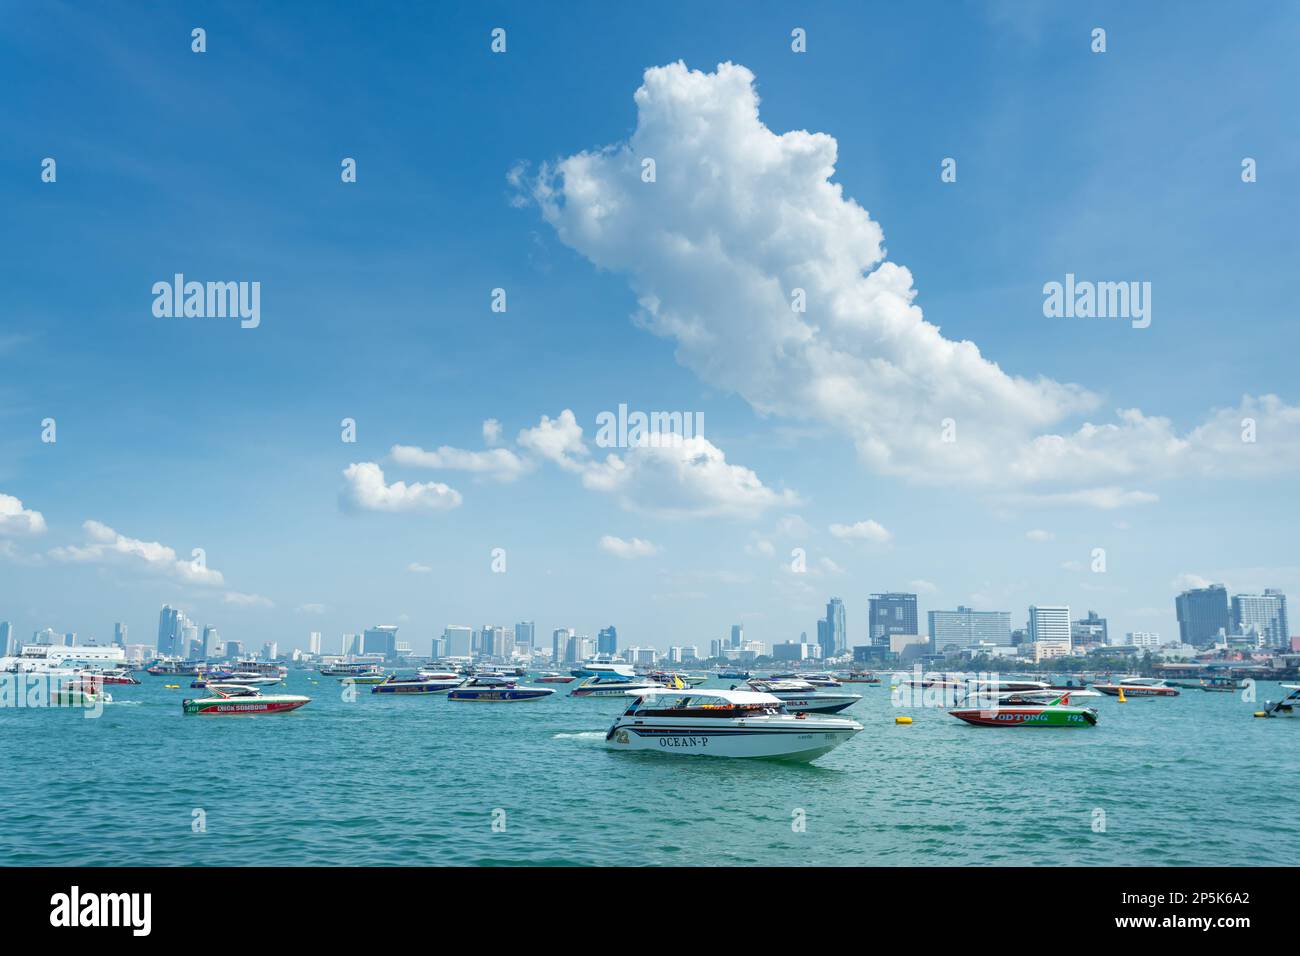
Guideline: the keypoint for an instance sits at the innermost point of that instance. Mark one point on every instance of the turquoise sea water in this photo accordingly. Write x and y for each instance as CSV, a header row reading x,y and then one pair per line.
x,y
421,780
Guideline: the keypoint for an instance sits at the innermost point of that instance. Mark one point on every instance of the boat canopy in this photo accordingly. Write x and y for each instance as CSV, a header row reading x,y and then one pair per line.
x,y
738,697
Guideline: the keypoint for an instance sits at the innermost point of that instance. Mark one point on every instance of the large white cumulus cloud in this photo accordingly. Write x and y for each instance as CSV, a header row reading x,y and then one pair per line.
x,y
739,217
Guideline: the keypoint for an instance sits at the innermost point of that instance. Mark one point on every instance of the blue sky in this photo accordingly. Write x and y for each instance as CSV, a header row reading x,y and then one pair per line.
x,y
194,433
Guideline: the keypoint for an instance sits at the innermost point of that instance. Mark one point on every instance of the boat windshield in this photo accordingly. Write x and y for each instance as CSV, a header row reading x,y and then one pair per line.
x,y
697,706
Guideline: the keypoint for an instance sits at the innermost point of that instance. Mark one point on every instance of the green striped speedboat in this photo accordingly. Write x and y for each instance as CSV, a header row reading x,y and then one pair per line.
x,y
235,699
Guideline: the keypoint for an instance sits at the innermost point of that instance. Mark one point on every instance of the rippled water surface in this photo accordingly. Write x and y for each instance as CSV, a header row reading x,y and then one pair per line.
x,y
420,780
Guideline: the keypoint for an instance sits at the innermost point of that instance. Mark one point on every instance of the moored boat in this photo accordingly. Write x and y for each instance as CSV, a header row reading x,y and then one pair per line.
x,y
235,699
611,686
801,697
393,684
550,677
1137,687
1057,713
497,690
724,723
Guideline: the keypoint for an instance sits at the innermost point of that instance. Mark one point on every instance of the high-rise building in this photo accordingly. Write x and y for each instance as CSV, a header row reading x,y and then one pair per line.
x,y
526,633
560,638
1049,626
458,640
837,634
715,648
737,635
171,632
44,636
892,613
70,639
380,639
119,634
1263,614
7,643
350,646
1203,614
212,646
607,641
1089,630
313,643
270,650
962,628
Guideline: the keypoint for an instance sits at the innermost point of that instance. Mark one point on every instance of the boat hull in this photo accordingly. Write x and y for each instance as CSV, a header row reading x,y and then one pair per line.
x,y
794,744
1028,717
501,695
1112,690
818,703
236,706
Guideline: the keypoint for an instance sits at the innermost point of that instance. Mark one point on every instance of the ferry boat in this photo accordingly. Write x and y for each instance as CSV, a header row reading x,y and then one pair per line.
x,y
724,723
802,697
1057,713
1138,687
1220,685
612,686
347,669
497,690
861,677
235,699
418,684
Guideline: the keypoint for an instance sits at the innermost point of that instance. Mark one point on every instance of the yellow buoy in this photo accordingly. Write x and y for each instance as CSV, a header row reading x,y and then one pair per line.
x,y
1122,698
172,686
1261,713
902,720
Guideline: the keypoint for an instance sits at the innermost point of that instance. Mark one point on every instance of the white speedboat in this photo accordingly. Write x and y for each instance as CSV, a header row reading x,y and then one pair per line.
x,y
1286,707
817,680
1138,687
612,686
801,697
604,669
241,699
724,723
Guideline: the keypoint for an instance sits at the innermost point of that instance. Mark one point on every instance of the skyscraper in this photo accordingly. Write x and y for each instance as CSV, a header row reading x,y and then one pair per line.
x,y
1202,614
1264,614
836,635
7,642
607,641
380,639
1049,625
892,613
962,628
560,644
458,640
313,643
119,634
526,633
737,635
212,646
171,632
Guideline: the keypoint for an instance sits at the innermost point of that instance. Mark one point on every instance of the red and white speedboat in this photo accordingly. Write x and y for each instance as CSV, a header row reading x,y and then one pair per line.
x,y
551,678
1138,687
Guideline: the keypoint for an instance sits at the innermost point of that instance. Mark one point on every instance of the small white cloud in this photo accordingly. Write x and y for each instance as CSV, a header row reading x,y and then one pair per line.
x,y
1190,582
366,491
868,530
1039,535
923,587
500,464
491,431
239,599
830,566
558,440
1107,499
104,545
627,548
415,567
15,519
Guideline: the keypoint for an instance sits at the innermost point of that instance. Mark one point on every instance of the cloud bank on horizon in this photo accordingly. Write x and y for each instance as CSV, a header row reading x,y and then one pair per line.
x,y
738,218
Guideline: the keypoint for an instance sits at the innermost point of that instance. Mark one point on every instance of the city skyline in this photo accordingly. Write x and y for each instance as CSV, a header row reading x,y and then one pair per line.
x,y
386,444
